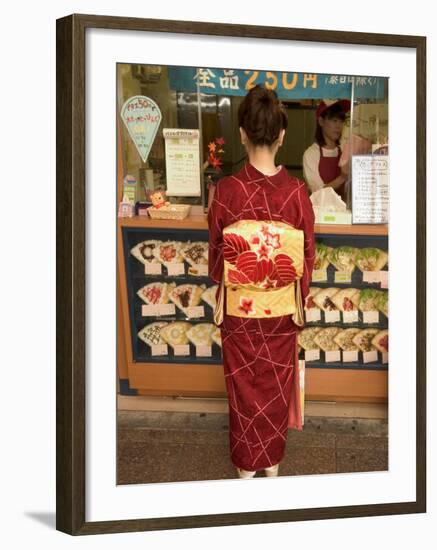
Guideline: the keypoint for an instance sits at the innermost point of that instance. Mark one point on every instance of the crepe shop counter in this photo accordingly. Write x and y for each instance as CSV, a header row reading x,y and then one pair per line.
x,y
168,345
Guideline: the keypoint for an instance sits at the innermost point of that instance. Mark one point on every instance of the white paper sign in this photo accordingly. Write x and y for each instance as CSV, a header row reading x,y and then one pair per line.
x,y
313,314
202,269
350,356
370,317
320,275
350,316
182,162
159,349
384,279
370,188
181,349
203,351
385,357
149,310
332,316
167,309
196,311
176,268
153,269
371,277
312,355
332,356
370,356
342,277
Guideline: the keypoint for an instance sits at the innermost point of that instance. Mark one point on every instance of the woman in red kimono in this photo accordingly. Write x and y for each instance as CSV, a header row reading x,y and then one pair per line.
x,y
260,354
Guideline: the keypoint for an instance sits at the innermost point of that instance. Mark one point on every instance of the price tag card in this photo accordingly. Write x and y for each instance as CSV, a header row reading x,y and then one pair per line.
x,y
159,349
312,355
313,314
343,277
332,356
181,349
320,276
350,316
202,270
370,317
370,356
196,311
167,309
350,356
176,268
203,351
371,277
383,277
385,357
149,309
332,316
153,269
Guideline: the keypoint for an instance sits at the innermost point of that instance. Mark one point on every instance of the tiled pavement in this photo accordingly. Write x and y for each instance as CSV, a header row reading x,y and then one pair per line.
x,y
183,446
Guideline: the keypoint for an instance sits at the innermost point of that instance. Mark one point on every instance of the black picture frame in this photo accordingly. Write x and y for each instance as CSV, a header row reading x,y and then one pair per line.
x,y
71,283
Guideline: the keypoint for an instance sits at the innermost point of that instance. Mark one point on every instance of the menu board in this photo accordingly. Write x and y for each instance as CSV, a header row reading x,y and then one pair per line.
x,y
370,189
182,162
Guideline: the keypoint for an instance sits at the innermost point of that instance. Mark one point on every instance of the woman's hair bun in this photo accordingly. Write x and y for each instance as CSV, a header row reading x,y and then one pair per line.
x,y
262,115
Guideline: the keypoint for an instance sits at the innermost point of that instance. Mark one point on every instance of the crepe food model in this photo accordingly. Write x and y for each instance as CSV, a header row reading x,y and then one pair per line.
x,y
156,293
186,296
168,252
368,300
216,335
151,333
325,339
346,299
175,333
322,256
144,252
343,258
382,302
309,300
363,339
371,259
195,253
324,299
200,334
306,338
380,341
345,339
209,295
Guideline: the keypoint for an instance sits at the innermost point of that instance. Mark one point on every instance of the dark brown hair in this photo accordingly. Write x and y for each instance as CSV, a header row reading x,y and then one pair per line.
x,y
335,111
262,116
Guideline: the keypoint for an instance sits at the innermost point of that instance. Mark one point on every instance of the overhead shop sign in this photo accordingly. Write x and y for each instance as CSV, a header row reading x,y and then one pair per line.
x,y
286,85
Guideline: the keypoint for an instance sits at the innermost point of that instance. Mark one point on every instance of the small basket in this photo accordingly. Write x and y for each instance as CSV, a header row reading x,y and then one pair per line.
x,y
170,212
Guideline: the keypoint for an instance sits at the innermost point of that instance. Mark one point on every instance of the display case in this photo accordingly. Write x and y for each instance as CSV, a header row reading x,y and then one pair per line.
x,y
162,371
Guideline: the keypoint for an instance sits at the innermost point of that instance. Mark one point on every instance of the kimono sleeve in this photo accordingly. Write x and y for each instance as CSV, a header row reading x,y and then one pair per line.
x,y
216,222
307,225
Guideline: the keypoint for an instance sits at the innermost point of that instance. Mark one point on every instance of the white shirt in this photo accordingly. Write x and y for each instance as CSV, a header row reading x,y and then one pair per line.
x,y
311,159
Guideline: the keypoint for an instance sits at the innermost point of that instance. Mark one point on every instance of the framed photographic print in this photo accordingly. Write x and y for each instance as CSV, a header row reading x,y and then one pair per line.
x,y
152,128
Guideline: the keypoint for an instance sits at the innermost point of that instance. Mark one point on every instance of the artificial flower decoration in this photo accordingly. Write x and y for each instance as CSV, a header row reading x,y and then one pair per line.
x,y
214,159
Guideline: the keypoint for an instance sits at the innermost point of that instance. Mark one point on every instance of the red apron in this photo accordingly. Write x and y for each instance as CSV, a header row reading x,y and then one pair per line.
x,y
329,170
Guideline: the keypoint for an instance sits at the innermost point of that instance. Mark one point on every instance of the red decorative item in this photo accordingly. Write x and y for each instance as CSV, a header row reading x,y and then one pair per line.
x,y
213,156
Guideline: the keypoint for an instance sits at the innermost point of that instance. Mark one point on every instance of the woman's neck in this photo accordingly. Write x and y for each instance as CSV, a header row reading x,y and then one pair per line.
x,y
329,143
264,161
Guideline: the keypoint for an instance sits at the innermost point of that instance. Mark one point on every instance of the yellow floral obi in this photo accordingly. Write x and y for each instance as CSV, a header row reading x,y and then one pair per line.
x,y
263,263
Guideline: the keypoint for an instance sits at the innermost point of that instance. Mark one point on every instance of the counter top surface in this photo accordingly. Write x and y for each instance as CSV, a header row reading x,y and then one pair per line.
x,y
200,222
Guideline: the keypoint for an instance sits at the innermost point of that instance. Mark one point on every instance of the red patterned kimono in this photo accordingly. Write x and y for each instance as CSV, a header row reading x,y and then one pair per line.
x,y
260,354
